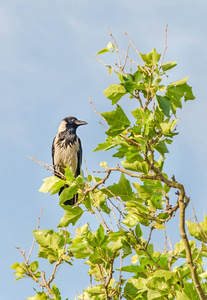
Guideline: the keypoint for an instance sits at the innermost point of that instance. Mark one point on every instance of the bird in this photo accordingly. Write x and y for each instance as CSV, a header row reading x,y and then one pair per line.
x,y
67,150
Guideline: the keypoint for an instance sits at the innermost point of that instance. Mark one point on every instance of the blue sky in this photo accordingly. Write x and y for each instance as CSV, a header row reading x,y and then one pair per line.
x,y
47,73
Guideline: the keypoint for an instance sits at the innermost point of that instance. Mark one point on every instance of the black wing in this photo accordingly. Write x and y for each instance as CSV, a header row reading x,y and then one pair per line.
x,y
53,151
79,158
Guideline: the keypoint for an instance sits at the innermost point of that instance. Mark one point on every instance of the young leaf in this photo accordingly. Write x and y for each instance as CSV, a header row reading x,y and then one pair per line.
x,y
117,121
136,166
68,174
161,148
194,230
169,65
105,146
122,189
110,47
68,193
71,216
103,164
39,296
130,220
164,104
168,127
138,231
49,183
104,50
152,58
115,92
34,266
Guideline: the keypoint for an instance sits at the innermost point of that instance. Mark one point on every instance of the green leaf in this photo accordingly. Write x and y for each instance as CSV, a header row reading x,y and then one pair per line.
x,y
136,166
49,183
103,164
34,266
164,104
115,92
189,292
131,289
105,146
203,275
110,47
133,82
138,77
169,65
132,269
117,121
163,216
56,292
161,148
152,58
104,50
179,82
130,220
115,246
167,128
138,231
204,224
56,187
145,191
68,174
142,116
72,215
68,193
15,266
177,90
160,163
122,189
49,239
39,296
194,230
110,70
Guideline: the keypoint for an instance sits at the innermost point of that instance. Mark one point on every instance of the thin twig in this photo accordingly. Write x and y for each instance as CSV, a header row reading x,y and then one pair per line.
x,y
126,57
96,110
111,222
130,60
113,212
104,222
166,244
46,284
48,167
144,70
121,261
117,50
150,235
54,271
33,242
140,176
101,222
165,48
103,63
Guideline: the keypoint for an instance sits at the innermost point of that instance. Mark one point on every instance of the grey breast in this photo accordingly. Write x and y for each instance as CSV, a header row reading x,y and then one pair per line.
x,y
66,154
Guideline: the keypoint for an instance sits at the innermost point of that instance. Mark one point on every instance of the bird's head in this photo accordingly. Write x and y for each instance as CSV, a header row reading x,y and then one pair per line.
x,y
70,123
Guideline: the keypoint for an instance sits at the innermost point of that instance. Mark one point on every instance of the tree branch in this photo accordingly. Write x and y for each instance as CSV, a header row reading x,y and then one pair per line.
x,y
183,201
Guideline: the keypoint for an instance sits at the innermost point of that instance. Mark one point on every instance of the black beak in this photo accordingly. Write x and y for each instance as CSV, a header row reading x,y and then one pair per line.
x,y
78,122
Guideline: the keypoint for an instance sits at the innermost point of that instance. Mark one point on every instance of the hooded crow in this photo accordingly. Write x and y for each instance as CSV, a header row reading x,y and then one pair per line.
x,y
67,150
